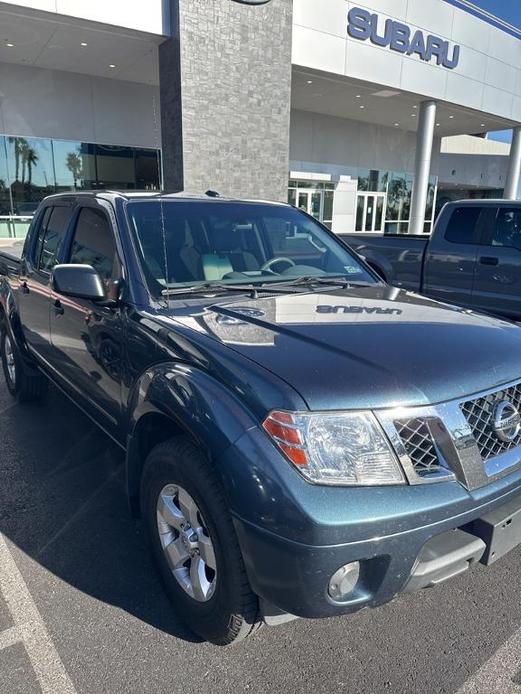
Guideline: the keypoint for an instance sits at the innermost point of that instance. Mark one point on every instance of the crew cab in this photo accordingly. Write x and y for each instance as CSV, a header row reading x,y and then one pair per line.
x,y
301,439
473,257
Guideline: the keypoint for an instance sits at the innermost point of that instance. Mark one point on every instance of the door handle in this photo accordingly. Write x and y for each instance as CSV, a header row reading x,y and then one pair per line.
x,y
487,260
58,308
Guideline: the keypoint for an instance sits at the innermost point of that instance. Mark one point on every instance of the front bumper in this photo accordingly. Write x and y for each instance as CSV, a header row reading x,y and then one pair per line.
x,y
294,536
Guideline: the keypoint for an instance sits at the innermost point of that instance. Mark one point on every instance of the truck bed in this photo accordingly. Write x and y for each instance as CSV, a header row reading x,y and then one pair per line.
x,y
10,257
398,258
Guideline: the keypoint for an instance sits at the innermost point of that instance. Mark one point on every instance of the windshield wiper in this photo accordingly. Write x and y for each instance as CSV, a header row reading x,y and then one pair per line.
x,y
210,287
336,281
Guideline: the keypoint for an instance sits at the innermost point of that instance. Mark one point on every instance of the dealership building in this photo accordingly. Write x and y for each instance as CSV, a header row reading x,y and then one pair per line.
x,y
367,114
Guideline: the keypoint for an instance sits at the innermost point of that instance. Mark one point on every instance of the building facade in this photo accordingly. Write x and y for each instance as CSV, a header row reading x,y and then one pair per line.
x,y
367,114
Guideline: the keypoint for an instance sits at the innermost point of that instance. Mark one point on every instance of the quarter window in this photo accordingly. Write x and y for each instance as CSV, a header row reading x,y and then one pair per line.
x,y
463,225
94,243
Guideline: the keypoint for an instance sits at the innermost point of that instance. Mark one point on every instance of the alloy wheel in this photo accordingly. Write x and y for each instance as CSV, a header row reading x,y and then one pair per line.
x,y
186,542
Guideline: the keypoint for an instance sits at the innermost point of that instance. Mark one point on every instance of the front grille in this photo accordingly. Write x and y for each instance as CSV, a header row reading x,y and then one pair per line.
x,y
419,445
480,416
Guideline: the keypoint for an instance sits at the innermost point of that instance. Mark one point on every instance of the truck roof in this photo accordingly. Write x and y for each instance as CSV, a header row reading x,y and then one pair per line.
x,y
209,196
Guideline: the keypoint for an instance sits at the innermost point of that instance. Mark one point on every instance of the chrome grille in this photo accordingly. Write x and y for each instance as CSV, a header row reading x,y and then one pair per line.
x,y
419,445
479,414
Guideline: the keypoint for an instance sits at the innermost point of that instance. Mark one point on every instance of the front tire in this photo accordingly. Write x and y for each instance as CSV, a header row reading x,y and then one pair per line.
x,y
25,384
194,544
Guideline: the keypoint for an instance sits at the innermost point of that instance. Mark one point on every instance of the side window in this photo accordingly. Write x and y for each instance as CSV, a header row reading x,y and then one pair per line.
x,y
463,225
507,229
40,233
94,243
53,232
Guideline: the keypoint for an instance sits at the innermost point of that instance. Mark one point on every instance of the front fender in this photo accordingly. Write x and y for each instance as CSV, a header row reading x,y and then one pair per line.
x,y
196,403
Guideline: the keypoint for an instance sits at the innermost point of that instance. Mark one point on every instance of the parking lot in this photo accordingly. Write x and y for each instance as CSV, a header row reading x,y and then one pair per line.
x,y
81,609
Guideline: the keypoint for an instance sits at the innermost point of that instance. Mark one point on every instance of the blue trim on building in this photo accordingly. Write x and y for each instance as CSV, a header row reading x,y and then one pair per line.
x,y
486,17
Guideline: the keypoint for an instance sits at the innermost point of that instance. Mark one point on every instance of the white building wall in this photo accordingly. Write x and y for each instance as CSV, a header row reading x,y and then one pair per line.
x,y
150,16
35,102
487,78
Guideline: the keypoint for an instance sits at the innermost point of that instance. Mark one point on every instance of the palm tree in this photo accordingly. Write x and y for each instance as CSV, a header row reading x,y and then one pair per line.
x,y
19,144
31,159
74,164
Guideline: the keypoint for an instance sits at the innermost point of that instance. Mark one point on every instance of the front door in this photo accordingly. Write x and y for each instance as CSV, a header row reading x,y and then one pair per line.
x,y
497,285
370,212
41,255
86,336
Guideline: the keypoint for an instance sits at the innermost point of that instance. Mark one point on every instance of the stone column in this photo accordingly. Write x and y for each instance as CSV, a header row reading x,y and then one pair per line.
x,y
225,84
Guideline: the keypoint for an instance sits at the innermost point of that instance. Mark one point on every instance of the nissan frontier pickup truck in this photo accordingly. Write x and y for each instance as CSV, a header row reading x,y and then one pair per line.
x,y
301,439
473,257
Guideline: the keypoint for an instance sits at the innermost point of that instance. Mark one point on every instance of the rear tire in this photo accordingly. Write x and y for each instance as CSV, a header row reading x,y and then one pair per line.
x,y
25,384
180,486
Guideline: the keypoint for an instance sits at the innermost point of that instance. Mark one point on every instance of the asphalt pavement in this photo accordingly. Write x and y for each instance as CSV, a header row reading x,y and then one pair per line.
x,y
82,611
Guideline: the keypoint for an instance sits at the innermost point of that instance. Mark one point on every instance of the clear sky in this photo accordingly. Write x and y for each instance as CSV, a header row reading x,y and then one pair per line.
x,y
509,10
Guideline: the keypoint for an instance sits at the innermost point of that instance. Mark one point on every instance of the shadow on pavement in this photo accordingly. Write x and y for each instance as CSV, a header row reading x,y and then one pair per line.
x,y
63,502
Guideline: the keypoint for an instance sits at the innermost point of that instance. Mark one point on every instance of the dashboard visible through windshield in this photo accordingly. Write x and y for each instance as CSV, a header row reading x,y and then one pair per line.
x,y
183,243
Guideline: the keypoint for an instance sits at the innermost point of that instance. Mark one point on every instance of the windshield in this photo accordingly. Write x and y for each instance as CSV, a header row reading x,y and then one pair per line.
x,y
185,242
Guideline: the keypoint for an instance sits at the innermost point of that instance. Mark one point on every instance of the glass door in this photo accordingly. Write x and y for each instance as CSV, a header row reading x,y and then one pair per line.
x,y
370,212
310,201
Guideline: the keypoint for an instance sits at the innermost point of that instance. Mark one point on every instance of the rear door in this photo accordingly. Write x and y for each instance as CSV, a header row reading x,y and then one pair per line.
x,y
41,255
450,259
86,336
497,285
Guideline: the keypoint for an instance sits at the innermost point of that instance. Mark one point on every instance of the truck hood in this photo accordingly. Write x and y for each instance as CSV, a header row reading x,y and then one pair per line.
x,y
371,347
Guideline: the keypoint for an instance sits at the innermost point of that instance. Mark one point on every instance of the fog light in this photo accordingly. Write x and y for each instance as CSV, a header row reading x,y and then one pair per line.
x,y
343,581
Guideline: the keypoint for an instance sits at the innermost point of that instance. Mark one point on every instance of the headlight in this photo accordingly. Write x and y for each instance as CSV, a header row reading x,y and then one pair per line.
x,y
342,448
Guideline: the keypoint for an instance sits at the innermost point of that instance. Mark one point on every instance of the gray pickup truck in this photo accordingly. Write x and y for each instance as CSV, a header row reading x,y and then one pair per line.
x,y
473,257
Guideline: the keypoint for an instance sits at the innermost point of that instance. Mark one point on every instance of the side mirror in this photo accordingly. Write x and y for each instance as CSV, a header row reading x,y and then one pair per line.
x,y
79,281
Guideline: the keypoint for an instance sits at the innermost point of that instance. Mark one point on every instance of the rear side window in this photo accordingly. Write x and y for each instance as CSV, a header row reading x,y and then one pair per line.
x,y
463,225
94,242
50,238
507,229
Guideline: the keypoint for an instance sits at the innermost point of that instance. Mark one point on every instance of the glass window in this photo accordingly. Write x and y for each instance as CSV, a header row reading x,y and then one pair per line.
x,y
234,242
37,249
94,242
360,212
328,205
74,165
30,164
462,225
507,230
292,197
53,235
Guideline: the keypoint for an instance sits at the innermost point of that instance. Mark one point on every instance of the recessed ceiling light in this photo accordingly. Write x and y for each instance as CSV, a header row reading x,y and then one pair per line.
x,y
84,43
415,106
396,125
437,125
483,125
362,106
358,96
9,45
310,81
413,115
112,65
451,116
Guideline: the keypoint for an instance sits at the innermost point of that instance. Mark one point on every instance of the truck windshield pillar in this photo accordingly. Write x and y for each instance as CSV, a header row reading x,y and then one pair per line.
x,y
514,169
422,165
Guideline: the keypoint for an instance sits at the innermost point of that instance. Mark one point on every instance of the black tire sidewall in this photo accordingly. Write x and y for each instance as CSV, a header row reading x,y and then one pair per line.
x,y
209,619
13,388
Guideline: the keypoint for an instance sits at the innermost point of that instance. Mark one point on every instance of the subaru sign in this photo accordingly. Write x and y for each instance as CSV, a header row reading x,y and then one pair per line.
x,y
363,25
253,2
